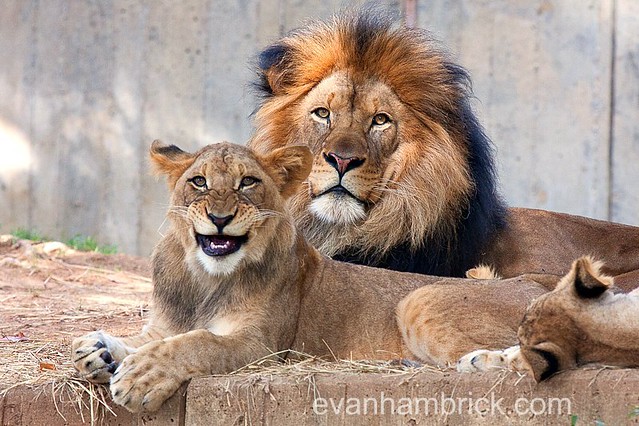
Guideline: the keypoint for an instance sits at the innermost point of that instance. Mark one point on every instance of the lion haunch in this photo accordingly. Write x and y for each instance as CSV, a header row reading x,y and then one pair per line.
x,y
403,174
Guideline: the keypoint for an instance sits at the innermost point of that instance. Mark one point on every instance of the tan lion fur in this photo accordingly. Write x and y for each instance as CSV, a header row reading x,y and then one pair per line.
x,y
580,322
213,315
415,183
482,272
438,321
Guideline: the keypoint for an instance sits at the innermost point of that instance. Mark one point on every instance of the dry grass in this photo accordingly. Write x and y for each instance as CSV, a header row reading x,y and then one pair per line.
x,y
33,363
50,294
301,365
45,367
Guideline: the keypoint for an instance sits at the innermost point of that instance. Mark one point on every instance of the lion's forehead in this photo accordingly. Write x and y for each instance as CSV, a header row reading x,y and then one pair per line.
x,y
358,95
225,168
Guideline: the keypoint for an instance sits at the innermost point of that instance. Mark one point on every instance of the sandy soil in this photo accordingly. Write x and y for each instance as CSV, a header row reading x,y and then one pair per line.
x,y
50,294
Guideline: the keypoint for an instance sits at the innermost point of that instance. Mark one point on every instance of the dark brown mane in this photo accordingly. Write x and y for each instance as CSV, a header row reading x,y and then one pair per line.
x,y
438,93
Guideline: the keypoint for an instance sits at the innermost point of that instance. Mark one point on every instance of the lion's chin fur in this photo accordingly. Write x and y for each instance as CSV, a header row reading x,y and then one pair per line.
x,y
337,209
220,266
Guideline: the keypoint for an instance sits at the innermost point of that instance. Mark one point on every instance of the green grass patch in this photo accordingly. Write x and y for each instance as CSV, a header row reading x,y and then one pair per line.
x,y
82,243
28,234
79,242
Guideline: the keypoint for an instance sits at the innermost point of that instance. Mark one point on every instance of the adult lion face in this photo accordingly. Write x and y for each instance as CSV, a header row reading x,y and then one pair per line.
x,y
353,133
387,120
227,204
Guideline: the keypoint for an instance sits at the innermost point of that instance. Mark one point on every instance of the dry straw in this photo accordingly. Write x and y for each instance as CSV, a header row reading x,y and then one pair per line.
x,y
45,367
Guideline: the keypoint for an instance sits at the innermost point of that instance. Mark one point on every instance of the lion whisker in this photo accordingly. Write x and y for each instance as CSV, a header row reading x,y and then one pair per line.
x,y
265,213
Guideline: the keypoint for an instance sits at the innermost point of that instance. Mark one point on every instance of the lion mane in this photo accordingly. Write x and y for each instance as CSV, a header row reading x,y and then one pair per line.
x,y
439,207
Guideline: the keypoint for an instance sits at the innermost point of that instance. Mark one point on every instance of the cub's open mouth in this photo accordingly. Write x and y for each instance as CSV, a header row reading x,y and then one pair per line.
x,y
220,245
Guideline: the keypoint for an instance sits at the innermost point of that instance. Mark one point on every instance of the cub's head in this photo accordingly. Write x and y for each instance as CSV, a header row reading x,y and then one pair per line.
x,y
559,329
227,203
396,149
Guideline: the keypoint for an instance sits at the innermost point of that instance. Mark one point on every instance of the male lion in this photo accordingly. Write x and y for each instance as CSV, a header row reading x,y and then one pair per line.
x,y
403,175
580,322
234,282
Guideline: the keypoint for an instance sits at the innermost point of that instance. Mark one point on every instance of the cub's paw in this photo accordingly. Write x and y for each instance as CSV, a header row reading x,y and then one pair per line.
x,y
147,378
92,356
485,360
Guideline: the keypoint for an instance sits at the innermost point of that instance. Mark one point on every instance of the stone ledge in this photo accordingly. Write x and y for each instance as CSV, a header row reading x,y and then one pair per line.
x,y
28,406
605,395
367,398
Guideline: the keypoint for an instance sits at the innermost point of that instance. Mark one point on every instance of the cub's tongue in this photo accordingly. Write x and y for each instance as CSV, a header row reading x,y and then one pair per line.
x,y
219,245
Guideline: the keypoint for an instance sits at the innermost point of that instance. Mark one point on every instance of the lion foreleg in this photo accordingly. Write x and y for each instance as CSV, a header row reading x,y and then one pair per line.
x,y
148,377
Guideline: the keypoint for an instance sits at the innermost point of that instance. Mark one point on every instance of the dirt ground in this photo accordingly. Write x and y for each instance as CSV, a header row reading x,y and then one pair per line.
x,y
50,294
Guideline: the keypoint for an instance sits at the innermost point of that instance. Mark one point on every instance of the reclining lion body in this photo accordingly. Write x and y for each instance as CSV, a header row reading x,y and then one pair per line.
x,y
539,241
351,311
235,282
403,175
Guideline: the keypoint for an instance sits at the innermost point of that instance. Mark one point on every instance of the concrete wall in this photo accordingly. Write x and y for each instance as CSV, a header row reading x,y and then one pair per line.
x,y
85,86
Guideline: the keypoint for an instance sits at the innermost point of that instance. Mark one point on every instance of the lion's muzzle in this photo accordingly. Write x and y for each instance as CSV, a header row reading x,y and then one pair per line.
x,y
342,163
220,221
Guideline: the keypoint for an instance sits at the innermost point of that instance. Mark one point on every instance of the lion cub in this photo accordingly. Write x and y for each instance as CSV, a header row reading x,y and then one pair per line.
x,y
234,282
580,322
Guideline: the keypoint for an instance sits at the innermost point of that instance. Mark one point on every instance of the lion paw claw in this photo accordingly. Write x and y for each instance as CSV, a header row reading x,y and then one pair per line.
x,y
93,358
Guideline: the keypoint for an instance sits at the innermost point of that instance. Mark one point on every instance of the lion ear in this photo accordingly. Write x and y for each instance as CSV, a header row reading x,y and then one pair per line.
x,y
540,364
289,167
273,68
170,160
589,282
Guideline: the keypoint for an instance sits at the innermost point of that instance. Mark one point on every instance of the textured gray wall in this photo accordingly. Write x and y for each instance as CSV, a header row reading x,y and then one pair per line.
x,y
85,86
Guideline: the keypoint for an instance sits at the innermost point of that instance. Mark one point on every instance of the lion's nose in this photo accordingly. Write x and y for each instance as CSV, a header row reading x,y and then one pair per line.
x,y
343,164
220,222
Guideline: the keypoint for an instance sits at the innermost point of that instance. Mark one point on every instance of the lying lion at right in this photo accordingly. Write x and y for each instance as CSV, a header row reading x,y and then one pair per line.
x,y
580,322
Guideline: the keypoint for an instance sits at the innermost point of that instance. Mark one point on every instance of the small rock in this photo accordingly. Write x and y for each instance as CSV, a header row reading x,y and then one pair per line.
x,y
7,240
54,247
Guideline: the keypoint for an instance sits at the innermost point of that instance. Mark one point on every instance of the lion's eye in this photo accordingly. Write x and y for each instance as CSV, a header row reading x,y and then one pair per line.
x,y
198,181
381,119
322,113
248,181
